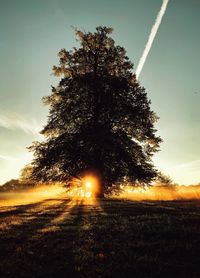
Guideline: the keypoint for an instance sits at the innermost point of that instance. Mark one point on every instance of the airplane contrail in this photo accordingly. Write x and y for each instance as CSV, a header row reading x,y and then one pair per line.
x,y
152,35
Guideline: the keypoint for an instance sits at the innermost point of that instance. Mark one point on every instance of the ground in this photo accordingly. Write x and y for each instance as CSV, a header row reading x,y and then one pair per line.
x,y
109,238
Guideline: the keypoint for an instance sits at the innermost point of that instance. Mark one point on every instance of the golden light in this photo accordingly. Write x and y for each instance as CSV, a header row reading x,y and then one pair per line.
x,y
90,185
32,195
160,192
85,187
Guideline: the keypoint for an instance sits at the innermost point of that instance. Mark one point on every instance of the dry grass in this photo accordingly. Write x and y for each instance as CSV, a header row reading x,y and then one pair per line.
x,y
114,238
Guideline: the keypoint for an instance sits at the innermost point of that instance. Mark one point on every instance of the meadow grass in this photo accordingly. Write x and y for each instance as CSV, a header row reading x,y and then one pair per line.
x,y
108,238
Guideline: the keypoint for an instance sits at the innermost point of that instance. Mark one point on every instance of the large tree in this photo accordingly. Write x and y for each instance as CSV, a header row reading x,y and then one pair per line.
x,y
100,118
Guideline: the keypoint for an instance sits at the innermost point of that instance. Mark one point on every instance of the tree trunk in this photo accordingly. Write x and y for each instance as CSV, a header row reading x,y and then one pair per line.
x,y
100,191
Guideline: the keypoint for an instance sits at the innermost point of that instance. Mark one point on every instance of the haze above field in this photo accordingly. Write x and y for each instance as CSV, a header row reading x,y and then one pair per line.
x,y
32,33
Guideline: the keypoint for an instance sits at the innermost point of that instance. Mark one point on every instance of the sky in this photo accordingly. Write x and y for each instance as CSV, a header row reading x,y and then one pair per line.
x,y
32,33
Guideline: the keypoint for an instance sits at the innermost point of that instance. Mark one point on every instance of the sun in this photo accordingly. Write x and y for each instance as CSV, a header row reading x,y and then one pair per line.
x,y
85,187
90,185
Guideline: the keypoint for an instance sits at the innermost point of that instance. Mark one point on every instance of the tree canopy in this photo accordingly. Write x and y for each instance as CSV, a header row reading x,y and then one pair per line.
x,y
99,117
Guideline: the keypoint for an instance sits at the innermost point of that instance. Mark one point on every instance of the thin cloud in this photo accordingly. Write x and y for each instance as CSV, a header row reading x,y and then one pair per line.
x,y
189,165
6,157
16,121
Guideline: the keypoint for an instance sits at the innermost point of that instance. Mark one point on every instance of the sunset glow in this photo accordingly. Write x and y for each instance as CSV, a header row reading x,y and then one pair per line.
x,y
32,195
160,193
85,187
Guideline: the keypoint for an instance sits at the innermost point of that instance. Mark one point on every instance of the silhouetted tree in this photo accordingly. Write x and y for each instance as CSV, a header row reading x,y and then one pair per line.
x,y
100,118
164,179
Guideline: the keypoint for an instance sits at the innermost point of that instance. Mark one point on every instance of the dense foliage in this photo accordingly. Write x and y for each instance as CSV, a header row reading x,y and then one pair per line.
x,y
99,118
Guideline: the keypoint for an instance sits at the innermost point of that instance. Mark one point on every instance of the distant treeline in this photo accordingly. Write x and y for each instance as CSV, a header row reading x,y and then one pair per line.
x,y
15,185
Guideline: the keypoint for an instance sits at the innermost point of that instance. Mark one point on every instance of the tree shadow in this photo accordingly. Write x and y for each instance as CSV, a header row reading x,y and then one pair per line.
x,y
21,209
27,252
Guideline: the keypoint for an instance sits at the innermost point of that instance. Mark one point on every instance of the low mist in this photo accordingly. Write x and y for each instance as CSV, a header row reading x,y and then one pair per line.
x,y
152,193
160,192
31,195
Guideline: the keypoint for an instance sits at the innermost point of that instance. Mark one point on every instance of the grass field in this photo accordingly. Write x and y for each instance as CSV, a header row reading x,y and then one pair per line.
x,y
109,238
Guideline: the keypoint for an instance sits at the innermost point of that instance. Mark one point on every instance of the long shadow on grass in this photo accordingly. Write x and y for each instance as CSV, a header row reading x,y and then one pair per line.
x,y
130,239
29,253
149,240
12,242
20,209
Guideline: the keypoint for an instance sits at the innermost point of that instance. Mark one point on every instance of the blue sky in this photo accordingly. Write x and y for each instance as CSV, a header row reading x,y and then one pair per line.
x,y
32,33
